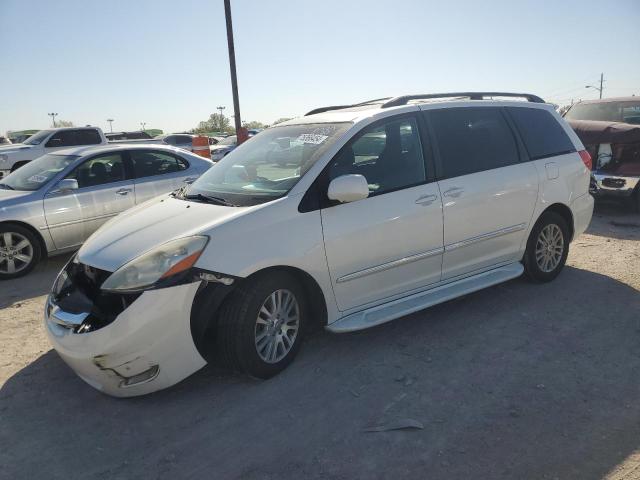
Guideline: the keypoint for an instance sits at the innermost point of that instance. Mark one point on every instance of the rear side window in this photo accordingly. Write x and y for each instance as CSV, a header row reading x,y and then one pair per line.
x,y
87,137
149,163
472,140
543,136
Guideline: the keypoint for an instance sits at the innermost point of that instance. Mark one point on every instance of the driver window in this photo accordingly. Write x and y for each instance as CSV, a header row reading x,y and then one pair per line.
x,y
388,155
99,170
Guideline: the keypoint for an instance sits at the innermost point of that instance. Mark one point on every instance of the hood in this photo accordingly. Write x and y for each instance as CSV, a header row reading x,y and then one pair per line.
x,y
14,147
153,223
7,197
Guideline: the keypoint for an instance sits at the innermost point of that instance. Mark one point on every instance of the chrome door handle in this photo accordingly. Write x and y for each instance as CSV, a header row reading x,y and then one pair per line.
x,y
426,199
453,192
123,191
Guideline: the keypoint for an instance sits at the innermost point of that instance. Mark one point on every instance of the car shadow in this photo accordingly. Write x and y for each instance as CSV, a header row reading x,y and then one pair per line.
x,y
34,284
612,220
515,381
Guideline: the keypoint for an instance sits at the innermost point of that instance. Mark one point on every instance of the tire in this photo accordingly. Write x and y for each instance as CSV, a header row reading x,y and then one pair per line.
x,y
20,251
245,330
540,264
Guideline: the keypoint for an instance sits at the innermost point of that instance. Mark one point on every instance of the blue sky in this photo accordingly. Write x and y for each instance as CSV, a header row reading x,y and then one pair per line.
x,y
165,62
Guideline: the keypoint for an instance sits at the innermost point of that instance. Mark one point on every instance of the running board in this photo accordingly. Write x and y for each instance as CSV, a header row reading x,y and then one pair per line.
x,y
418,301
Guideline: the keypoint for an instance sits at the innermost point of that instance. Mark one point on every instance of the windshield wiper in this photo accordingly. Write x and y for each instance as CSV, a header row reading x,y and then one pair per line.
x,y
6,187
209,199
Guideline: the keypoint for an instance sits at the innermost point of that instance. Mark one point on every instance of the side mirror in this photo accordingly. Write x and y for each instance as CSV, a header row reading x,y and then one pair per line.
x,y
66,185
348,188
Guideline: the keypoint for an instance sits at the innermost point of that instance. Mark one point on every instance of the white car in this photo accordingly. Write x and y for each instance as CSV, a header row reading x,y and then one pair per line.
x,y
393,206
52,140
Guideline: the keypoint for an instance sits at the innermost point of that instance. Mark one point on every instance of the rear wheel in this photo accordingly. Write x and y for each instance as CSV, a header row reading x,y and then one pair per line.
x,y
19,251
261,325
547,248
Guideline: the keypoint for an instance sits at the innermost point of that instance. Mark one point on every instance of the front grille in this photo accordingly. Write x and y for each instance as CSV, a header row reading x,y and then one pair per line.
x,y
83,294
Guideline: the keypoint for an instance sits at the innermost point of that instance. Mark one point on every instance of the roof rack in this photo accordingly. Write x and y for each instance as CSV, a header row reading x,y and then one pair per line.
x,y
404,99
340,107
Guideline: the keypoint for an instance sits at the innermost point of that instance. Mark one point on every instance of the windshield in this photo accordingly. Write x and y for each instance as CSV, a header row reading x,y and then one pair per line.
x,y
269,165
627,112
228,140
37,173
37,138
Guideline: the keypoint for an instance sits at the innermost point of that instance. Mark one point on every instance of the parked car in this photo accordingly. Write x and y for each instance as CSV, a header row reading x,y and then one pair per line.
x,y
15,156
137,135
5,141
443,199
223,147
610,131
52,205
179,140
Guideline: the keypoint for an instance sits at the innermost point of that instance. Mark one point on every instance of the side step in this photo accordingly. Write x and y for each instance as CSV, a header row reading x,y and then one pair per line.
x,y
418,301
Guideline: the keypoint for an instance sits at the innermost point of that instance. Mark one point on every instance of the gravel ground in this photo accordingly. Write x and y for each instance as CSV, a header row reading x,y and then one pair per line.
x,y
517,381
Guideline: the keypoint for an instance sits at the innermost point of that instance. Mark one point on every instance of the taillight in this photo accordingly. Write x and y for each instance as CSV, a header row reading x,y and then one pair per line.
x,y
586,158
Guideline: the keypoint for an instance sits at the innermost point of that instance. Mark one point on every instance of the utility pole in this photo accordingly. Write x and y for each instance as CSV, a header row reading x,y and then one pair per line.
x,y
596,88
110,120
232,68
221,116
53,118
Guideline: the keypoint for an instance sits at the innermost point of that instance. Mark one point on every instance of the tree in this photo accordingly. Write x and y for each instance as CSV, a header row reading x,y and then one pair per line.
x,y
280,120
64,123
215,123
254,124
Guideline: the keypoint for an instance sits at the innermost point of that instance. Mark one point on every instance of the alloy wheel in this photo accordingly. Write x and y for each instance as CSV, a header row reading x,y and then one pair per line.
x,y
549,247
16,252
277,326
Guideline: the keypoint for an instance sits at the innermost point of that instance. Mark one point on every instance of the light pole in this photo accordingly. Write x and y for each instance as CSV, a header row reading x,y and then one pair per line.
x,y
232,68
221,116
143,124
53,118
598,89
110,120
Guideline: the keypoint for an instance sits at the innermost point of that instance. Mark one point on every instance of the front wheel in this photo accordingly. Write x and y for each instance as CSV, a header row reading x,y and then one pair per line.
x,y
19,251
547,248
260,326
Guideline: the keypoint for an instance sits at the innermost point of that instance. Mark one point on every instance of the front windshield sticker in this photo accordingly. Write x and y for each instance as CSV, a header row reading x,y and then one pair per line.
x,y
37,179
312,138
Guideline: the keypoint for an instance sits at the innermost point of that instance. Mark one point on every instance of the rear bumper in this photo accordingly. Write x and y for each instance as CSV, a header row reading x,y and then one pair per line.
x,y
148,346
582,209
603,185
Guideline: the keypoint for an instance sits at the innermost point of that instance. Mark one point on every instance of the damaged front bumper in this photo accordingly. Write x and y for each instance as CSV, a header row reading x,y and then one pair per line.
x,y
604,185
145,347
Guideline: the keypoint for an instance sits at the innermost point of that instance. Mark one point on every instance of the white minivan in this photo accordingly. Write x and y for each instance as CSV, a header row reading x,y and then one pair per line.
x,y
374,211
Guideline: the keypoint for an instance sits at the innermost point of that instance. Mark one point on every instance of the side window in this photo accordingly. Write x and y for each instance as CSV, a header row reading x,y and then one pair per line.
x,y
88,137
148,163
171,140
388,155
64,138
107,168
541,133
182,139
472,140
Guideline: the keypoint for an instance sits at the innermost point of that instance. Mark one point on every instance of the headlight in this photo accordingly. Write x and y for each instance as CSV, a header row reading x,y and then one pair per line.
x,y
161,263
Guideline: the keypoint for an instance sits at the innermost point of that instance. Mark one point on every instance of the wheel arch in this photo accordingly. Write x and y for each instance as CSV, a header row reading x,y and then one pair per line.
x,y
34,231
210,298
565,212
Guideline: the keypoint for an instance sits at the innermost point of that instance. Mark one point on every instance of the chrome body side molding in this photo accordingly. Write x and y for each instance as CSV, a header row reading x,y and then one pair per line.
x,y
388,265
485,236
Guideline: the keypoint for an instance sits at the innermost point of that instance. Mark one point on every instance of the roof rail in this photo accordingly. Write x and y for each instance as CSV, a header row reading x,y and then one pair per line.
x,y
340,107
404,99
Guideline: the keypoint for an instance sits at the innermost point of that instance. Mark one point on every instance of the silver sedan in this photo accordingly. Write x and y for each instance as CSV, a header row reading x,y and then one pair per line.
x,y
51,205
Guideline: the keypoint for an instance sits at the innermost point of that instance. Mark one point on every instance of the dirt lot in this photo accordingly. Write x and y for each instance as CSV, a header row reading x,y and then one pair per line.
x,y
517,381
